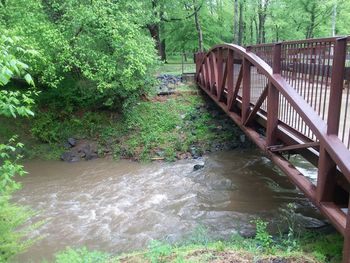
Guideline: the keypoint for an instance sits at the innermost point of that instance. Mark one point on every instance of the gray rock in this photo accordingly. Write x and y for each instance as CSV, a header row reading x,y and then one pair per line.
x,y
198,166
82,150
242,138
247,233
160,153
75,159
279,260
70,157
72,142
167,84
66,156
67,146
91,156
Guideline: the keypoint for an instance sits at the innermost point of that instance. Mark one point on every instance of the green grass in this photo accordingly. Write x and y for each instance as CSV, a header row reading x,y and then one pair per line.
x,y
165,128
298,245
311,247
176,68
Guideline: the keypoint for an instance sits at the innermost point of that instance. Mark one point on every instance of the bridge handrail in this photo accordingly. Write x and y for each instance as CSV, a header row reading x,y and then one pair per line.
x,y
332,143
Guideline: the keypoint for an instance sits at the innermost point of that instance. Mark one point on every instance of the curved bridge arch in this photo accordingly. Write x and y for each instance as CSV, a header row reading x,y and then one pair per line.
x,y
289,97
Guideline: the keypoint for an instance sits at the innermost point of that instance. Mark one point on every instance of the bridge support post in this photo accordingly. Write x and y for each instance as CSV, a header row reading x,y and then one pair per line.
x,y
220,73
326,181
230,78
273,99
336,92
346,245
276,63
326,177
214,73
327,168
272,115
246,90
208,73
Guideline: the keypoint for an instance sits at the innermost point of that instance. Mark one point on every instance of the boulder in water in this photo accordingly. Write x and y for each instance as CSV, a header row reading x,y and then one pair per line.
x,y
198,166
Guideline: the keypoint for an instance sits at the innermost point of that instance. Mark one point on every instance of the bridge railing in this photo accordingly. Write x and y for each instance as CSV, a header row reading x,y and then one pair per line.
x,y
291,97
307,66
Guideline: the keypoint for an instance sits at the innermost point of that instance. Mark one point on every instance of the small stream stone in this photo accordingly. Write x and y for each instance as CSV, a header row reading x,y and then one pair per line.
x,y
198,166
247,233
82,150
70,157
279,260
72,142
167,84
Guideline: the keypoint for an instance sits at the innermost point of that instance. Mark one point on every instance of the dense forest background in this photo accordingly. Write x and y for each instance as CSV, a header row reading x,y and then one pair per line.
x,y
104,51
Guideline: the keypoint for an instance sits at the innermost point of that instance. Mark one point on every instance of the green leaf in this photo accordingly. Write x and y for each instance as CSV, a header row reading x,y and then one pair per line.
x,y
29,79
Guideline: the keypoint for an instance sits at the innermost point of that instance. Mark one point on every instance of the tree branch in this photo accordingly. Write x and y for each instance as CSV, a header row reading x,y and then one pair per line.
x,y
162,18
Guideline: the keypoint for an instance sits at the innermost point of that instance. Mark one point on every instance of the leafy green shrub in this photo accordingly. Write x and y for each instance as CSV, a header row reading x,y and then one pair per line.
x,y
50,127
100,47
323,247
81,255
46,128
12,240
290,241
262,235
12,103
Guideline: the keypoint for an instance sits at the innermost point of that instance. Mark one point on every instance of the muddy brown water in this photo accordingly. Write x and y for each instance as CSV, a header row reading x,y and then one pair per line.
x,y
120,206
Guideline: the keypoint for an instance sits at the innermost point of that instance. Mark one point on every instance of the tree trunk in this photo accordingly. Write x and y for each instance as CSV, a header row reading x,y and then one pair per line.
x,y
162,49
241,23
277,33
256,30
198,27
262,13
251,30
154,30
311,27
235,22
334,19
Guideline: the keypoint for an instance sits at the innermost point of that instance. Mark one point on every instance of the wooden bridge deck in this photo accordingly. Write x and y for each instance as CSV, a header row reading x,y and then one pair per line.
x,y
291,97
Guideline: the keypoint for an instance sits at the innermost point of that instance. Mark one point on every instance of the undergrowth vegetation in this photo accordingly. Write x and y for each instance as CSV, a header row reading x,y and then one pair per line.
x,y
312,247
13,239
169,127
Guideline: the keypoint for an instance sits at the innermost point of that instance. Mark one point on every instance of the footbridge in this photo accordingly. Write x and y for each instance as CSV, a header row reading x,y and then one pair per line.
x,y
291,98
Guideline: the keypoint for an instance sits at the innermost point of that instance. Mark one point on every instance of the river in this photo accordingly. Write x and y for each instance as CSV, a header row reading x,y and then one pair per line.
x,y
119,206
